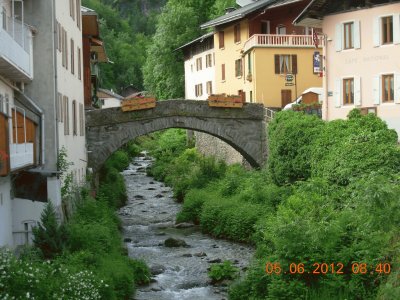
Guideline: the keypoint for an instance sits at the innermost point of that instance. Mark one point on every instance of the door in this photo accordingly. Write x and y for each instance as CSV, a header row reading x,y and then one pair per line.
x,y
286,97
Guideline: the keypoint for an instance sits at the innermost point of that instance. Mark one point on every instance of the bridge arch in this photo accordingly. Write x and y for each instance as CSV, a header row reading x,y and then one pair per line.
x,y
244,129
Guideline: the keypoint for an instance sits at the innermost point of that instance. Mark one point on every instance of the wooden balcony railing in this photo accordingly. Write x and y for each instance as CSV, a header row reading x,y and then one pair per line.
x,y
281,40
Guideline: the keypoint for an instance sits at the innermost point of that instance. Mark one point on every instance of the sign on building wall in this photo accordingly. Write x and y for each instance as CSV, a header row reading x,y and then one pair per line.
x,y
317,62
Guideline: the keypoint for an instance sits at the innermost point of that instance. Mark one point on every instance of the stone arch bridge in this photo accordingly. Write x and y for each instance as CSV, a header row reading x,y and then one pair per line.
x,y
244,129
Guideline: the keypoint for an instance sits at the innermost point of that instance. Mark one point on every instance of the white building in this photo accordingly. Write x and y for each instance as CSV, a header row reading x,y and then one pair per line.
x,y
109,99
41,109
199,67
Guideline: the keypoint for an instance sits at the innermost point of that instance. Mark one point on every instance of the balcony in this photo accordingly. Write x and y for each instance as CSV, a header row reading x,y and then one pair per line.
x,y
22,141
281,41
15,49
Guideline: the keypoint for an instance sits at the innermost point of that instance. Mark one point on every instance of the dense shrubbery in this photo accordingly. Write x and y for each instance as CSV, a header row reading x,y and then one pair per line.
x,y
88,260
330,193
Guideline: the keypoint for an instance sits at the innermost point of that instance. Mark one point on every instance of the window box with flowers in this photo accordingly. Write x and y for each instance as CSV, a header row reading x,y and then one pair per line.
x,y
310,109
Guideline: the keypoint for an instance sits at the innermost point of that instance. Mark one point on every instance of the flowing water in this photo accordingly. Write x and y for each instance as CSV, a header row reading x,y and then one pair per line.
x,y
180,272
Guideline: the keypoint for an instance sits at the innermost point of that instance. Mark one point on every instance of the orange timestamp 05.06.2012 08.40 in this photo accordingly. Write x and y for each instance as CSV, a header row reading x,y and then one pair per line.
x,y
317,268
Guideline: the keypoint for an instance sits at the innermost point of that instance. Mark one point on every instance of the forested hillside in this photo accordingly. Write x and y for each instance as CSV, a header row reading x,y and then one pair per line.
x,y
140,38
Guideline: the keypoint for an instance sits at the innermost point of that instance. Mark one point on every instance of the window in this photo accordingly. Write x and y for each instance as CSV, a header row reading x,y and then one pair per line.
x,y
74,119
251,96
66,115
198,90
78,13
388,88
72,9
72,57
281,29
221,39
79,64
64,48
238,68
59,37
209,87
348,35
81,119
265,27
348,91
249,63
208,60
223,71
387,30
4,18
198,64
236,30
285,64
60,107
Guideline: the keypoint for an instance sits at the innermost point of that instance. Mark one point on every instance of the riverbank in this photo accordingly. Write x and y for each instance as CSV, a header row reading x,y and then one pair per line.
x,y
306,212
83,258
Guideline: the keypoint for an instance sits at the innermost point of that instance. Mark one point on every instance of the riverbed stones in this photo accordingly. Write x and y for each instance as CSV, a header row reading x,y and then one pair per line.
x,y
157,270
215,261
200,254
171,242
127,240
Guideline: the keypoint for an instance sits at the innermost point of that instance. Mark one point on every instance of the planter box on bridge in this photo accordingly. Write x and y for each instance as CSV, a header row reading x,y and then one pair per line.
x,y
138,103
222,100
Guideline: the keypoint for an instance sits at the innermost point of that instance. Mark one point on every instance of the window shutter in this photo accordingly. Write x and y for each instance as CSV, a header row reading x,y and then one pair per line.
x,y
357,35
376,32
397,88
223,71
277,69
294,64
377,89
396,29
338,93
221,39
338,37
357,91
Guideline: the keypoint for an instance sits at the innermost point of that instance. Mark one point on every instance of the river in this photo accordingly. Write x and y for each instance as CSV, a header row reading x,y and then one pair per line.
x,y
149,219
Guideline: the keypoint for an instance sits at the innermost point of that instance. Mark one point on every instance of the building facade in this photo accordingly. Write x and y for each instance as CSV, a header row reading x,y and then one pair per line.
x,y
261,54
41,110
362,61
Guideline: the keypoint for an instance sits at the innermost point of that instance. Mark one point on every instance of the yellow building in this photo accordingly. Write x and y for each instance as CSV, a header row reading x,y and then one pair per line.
x,y
259,53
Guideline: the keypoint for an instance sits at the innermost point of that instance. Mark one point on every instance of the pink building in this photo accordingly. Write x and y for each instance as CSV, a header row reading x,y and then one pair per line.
x,y
362,56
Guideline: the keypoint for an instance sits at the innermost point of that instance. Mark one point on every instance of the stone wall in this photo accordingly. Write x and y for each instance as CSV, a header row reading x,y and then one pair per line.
x,y
211,146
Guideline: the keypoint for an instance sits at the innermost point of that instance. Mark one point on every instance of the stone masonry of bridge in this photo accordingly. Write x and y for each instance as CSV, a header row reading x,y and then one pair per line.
x,y
244,129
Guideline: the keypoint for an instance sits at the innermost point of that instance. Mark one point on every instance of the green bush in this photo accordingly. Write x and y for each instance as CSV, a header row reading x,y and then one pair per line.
x,y
49,235
225,270
291,135
192,206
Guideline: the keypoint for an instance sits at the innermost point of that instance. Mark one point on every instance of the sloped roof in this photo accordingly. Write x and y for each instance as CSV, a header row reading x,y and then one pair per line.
x,y
111,93
317,9
240,13
199,39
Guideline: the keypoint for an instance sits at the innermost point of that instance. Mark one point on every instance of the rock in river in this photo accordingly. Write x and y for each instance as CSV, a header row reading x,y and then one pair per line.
x,y
171,242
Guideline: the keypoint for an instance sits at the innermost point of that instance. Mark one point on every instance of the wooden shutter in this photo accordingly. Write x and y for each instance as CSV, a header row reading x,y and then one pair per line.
x,y
277,67
357,91
397,88
338,37
294,64
357,35
221,39
223,71
396,29
338,93
377,89
376,32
